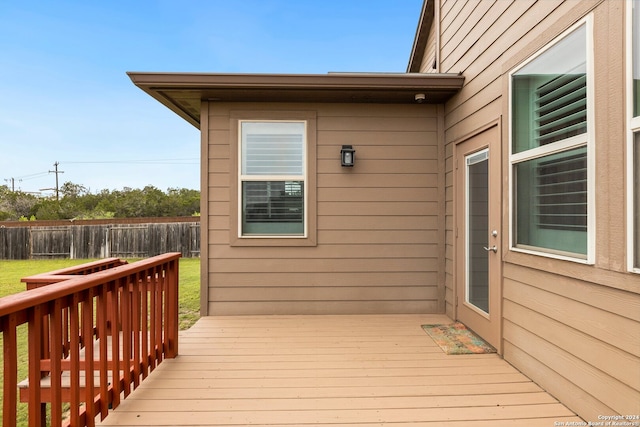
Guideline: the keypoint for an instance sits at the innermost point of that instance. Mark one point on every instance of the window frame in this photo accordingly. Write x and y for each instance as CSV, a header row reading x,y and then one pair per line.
x,y
633,128
242,178
565,145
308,238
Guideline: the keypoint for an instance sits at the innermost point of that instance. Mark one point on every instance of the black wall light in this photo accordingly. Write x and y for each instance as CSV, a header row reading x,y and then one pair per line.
x,y
348,156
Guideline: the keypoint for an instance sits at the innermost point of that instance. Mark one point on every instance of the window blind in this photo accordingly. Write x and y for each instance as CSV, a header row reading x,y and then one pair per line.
x,y
273,148
273,207
561,193
560,108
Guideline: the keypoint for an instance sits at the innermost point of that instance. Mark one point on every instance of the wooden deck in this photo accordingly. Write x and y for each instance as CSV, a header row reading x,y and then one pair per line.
x,y
331,370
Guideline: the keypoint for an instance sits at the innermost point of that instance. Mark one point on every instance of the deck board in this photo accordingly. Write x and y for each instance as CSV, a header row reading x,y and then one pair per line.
x,y
328,371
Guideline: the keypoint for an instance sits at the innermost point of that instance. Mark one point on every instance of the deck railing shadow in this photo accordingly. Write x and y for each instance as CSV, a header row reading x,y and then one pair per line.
x,y
95,332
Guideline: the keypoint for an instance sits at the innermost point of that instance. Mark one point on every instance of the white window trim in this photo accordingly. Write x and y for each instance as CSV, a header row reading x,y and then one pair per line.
x,y
303,177
578,141
467,227
633,127
549,149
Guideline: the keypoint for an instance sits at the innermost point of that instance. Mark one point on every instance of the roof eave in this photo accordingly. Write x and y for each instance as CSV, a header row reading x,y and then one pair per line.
x,y
183,92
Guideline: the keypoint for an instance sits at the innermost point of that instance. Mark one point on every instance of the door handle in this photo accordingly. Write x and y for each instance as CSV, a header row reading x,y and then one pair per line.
x,y
493,248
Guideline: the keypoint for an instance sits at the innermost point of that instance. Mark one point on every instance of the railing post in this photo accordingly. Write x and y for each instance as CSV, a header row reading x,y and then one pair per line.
x,y
10,397
56,351
102,314
37,410
74,354
172,309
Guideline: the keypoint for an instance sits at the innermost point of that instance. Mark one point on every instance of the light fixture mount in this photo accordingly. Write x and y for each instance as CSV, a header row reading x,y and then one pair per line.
x,y
347,156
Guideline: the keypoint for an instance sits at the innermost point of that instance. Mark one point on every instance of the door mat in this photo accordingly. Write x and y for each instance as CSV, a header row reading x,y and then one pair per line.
x,y
457,339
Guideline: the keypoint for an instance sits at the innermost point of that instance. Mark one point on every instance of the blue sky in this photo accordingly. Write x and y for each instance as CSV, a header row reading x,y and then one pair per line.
x,y
65,96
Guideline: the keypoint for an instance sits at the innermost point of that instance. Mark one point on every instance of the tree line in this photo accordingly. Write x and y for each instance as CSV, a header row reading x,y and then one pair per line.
x,y
75,201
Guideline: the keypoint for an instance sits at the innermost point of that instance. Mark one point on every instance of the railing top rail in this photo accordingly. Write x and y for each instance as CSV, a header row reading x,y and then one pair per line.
x,y
46,278
17,302
77,268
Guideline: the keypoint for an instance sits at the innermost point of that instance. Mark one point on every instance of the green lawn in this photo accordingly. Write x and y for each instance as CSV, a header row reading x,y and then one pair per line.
x,y
12,271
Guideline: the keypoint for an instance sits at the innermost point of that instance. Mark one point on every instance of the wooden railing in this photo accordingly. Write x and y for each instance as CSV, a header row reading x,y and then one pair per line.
x,y
93,337
56,276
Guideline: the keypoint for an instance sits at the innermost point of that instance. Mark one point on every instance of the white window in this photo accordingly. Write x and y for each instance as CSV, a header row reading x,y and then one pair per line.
x,y
633,146
272,176
552,209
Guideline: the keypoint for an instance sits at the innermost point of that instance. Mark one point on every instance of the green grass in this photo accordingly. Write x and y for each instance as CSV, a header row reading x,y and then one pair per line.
x,y
189,292
12,271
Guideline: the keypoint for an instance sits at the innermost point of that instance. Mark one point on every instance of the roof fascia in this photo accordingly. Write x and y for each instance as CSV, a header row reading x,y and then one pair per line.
x,y
295,81
422,35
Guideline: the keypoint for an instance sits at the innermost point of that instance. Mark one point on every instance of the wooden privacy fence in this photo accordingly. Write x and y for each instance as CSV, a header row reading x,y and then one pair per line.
x,y
95,332
85,240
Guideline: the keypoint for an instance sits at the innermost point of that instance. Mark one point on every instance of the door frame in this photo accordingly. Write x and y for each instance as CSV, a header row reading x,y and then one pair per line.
x,y
489,327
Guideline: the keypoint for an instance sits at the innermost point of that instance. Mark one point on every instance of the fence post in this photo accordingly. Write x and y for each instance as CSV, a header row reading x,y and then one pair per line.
x,y
71,240
107,242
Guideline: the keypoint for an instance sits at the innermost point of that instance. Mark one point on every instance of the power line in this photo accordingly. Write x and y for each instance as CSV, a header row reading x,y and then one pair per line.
x,y
31,176
186,161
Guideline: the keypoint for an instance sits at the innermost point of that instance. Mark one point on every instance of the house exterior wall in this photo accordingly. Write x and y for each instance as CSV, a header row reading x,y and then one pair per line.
x,y
572,327
378,227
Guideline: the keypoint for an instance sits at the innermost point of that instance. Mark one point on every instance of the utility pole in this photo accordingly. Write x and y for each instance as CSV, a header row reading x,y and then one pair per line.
x,y
13,183
57,186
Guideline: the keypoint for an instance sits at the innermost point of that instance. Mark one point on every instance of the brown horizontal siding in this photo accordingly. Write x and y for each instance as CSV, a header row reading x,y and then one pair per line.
x,y
401,111
219,151
328,278
424,179
473,30
377,224
591,343
219,165
379,208
386,222
303,265
461,30
605,321
391,237
450,14
335,138
218,179
326,293
389,125
589,348
220,208
225,308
